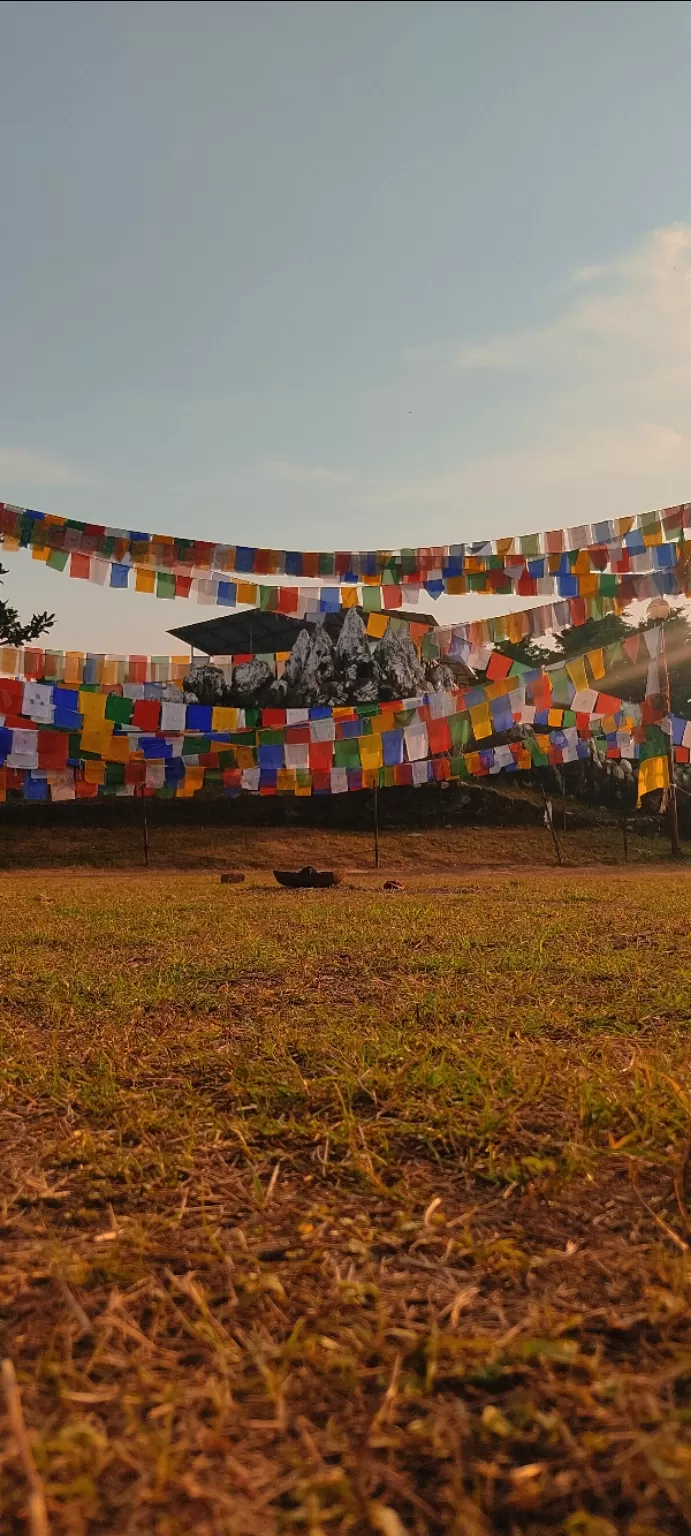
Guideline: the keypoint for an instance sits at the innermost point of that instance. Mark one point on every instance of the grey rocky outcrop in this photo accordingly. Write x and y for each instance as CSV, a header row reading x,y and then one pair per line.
x,y
356,663
251,680
400,674
353,671
204,684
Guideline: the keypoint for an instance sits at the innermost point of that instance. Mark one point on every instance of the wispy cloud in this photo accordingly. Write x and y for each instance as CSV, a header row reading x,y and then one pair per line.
x,y
303,474
563,466
29,467
606,422
644,307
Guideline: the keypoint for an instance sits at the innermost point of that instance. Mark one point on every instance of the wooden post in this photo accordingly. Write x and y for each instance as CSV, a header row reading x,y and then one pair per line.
x,y
376,826
672,816
625,835
563,799
145,822
550,823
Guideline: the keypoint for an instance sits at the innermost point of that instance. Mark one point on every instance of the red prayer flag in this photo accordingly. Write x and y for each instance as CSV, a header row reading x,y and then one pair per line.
x,y
146,714
321,754
498,667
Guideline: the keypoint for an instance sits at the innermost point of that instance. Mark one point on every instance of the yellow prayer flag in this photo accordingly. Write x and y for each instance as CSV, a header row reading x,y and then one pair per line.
x,y
245,757
93,707
74,666
577,673
516,627
377,625
247,592
652,774
382,722
94,773
119,750
349,597
481,721
224,718
194,778
555,717
285,780
371,754
596,660
9,660
145,580
97,737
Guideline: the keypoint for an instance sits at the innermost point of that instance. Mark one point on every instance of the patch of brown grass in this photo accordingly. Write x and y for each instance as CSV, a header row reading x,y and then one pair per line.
x,y
335,1211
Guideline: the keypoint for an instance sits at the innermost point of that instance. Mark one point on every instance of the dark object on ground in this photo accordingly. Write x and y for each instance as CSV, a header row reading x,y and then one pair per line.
x,y
231,878
295,878
393,885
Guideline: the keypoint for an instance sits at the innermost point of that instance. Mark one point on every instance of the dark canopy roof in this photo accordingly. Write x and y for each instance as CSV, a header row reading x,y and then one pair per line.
x,y
253,631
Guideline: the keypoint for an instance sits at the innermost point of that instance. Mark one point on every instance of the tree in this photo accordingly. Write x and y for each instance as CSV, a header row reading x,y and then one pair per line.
x,y
12,631
544,652
624,680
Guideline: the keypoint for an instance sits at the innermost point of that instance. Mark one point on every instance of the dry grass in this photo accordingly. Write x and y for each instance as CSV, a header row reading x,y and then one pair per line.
x,y
338,1211
27,845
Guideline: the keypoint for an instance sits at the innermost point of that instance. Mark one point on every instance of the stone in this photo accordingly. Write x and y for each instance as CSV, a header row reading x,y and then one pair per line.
x,y
251,679
438,677
319,671
400,674
204,684
356,664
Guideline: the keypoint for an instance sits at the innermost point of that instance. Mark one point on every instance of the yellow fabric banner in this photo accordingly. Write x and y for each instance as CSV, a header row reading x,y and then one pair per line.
x,y
652,774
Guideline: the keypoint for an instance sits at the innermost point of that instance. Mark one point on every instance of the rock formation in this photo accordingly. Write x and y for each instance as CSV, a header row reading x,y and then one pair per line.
x,y
400,673
204,684
355,661
353,671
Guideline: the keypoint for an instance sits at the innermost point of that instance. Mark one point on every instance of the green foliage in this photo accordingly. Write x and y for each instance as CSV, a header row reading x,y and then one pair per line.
x,y
12,631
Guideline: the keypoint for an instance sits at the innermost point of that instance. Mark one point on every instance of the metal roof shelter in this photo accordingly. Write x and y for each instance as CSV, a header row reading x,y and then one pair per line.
x,y
255,632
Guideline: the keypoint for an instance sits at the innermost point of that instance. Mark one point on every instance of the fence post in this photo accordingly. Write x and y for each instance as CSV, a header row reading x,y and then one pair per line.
x,y
145,822
376,826
550,823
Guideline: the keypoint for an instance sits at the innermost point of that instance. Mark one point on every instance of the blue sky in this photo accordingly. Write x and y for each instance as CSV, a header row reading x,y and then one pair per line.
x,y
339,275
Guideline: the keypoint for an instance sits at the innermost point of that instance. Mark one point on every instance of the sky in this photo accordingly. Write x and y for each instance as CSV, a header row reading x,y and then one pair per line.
x,y
340,275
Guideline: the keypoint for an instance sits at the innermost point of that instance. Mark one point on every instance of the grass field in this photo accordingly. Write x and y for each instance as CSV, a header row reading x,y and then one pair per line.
x,y
343,1211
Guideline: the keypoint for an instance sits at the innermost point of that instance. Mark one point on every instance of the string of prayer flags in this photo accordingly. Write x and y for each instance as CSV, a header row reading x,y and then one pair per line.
x,y
579,563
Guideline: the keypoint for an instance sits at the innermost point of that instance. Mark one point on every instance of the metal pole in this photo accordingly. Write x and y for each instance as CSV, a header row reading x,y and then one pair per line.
x,y
550,824
672,803
376,826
